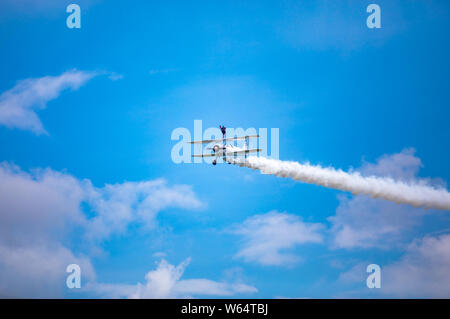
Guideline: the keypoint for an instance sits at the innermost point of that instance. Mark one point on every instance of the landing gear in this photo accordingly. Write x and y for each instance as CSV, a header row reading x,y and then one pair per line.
x,y
214,162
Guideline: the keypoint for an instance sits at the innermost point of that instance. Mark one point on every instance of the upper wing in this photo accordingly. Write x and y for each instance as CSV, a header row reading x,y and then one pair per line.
x,y
245,151
240,137
223,139
204,141
203,155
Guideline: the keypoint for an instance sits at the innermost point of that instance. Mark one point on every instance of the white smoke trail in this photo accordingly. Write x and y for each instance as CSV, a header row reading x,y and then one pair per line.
x,y
418,194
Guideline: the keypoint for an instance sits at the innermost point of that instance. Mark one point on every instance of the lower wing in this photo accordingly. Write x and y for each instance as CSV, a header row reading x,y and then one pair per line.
x,y
245,151
204,155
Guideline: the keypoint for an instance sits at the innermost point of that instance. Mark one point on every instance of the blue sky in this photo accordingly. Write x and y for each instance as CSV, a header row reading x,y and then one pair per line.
x,y
87,175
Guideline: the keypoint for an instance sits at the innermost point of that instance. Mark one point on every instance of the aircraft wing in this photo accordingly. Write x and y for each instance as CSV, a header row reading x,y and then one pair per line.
x,y
245,151
205,141
203,155
223,139
239,137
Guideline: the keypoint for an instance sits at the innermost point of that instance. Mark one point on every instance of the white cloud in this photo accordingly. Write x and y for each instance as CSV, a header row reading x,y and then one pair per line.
x,y
364,222
402,166
165,282
422,272
39,205
266,237
356,274
39,212
29,271
119,205
18,105
160,283
53,200
209,287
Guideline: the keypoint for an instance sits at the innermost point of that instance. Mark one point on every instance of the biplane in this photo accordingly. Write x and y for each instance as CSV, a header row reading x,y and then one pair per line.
x,y
220,149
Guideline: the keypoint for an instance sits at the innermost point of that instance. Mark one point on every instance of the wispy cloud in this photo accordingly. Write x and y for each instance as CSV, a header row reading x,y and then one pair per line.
x,y
41,210
36,214
365,222
119,205
266,237
421,272
165,282
18,105
38,269
113,76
